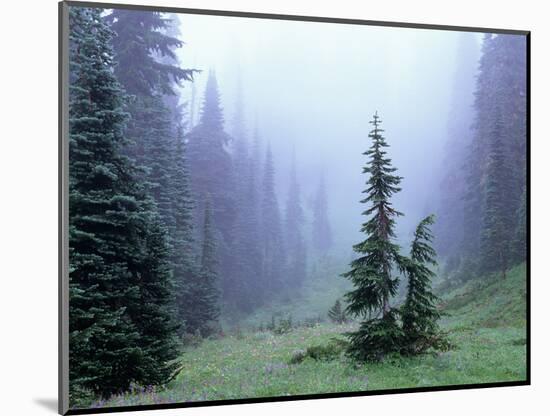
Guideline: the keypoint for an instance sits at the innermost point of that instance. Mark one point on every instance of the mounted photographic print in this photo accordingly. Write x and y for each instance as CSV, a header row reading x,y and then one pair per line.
x,y
263,207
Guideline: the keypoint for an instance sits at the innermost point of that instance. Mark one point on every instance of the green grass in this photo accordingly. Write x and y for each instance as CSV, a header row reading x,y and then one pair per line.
x,y
485,322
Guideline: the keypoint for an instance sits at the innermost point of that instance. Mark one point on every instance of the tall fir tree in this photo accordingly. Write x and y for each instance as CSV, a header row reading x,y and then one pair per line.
x,y
212,176
253,229
321,230
117,248
473,164
149,70
273,250
372,272
419,312
172,99
246,249
141,39
296,266
186,271
498,216
154,129
207,304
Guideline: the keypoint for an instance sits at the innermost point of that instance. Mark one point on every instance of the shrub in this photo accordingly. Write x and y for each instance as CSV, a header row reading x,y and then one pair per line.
x,y
284,326
331,351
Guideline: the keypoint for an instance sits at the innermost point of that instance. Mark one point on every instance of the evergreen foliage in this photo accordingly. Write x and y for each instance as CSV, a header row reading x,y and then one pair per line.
x,y
212,177
419,312
117,247
371,272
273,251
296,266
208,300
498,216
147,67
500,110
376,338
185,269
245,274
140,38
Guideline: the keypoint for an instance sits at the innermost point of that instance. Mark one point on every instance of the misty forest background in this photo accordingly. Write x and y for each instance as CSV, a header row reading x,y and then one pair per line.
x,y
211,229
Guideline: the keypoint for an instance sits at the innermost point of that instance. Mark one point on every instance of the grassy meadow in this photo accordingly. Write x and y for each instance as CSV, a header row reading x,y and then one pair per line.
x,y
485,321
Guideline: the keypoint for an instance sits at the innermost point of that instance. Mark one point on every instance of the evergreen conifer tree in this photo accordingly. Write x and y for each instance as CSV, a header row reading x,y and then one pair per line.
x,y
186,271
337,314
141,39
371,272
273,252
207,307
498,217
419,312
117,248
295,244
212,177
149,70
240,291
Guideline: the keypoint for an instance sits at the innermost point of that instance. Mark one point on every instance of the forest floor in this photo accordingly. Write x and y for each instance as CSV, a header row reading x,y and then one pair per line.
x,y
486,323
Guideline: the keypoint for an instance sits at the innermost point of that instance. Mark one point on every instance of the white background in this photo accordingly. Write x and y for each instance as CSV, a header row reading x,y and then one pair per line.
x,y
28,207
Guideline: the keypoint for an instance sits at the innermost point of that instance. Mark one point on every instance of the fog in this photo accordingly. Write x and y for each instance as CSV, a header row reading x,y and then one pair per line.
x,y
311,89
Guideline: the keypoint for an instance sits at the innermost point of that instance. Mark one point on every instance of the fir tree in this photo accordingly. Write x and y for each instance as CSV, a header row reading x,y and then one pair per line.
x,y
239,293
252,226
183,253
295,244
371,272
206,299
321,229
273,253
337,314
212,176
498,217
117,249
140,40
473,194
157,147
155,312
171,100
149,70
419,312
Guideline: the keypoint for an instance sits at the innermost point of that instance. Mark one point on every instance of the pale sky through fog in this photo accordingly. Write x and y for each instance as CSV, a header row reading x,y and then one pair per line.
x,y
314,87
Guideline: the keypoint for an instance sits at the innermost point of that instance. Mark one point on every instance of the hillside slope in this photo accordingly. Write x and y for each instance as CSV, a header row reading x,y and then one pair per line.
x,y
485,321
